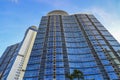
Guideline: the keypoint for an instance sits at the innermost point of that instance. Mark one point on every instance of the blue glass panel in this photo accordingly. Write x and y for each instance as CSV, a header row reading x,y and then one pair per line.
x,y
109,68
109,37
58,38
50,50
48,77
32,67
60,77
59,56
59,70
33,60
75,65
101,55
105,32
98,37
31,78
58,50
59,64
116,48
91,71
94,77
98,24
59,43
90,64
48,71
78,50
105,62
31,73
113,42
101,28
105,47
101,41
113,76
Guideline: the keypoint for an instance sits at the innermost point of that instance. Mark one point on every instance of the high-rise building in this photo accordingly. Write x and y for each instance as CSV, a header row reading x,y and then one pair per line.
x,y
63,44
15,57
7,60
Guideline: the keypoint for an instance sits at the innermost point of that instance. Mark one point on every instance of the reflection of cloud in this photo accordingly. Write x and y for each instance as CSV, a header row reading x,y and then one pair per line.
x,y
109,19
15,1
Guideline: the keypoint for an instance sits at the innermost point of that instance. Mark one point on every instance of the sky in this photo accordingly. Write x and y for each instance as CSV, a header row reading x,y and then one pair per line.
x,y
17,15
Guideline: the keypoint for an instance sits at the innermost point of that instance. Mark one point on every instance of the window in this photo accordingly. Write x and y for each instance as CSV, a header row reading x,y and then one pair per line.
x,y
36,52
101,28
58,33
91,27
59,56
90,64
113,76
59,64
85,19
101,55
81,16
98,37
87,23
109,68
89,32
105,62
105,47
33,67
113,42
94,42
59,43
91,71
94,20
92,37
102,42
105,32
32,73
116,48
91,16
59,50
34,60
95,32
32,78
58,38
60,77
49,71
48,77
59,70
98,24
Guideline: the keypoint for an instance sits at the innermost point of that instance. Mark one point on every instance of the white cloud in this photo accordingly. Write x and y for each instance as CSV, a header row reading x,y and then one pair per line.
x,y
14,1
56,4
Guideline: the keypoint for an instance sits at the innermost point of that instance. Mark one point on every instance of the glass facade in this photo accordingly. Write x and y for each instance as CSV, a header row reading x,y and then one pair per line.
x,y
15,58
69,42
7,60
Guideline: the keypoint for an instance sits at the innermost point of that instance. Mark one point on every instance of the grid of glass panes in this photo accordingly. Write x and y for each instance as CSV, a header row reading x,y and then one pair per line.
x,y
33,66
105,33
54,51
79,53
8,62
48,74
98,42
111,41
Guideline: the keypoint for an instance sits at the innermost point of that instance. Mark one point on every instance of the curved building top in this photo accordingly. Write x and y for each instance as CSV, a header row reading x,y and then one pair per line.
x,y
57,12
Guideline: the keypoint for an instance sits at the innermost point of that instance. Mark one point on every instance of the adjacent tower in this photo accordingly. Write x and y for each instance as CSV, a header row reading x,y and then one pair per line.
x,y
15,58
67,42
